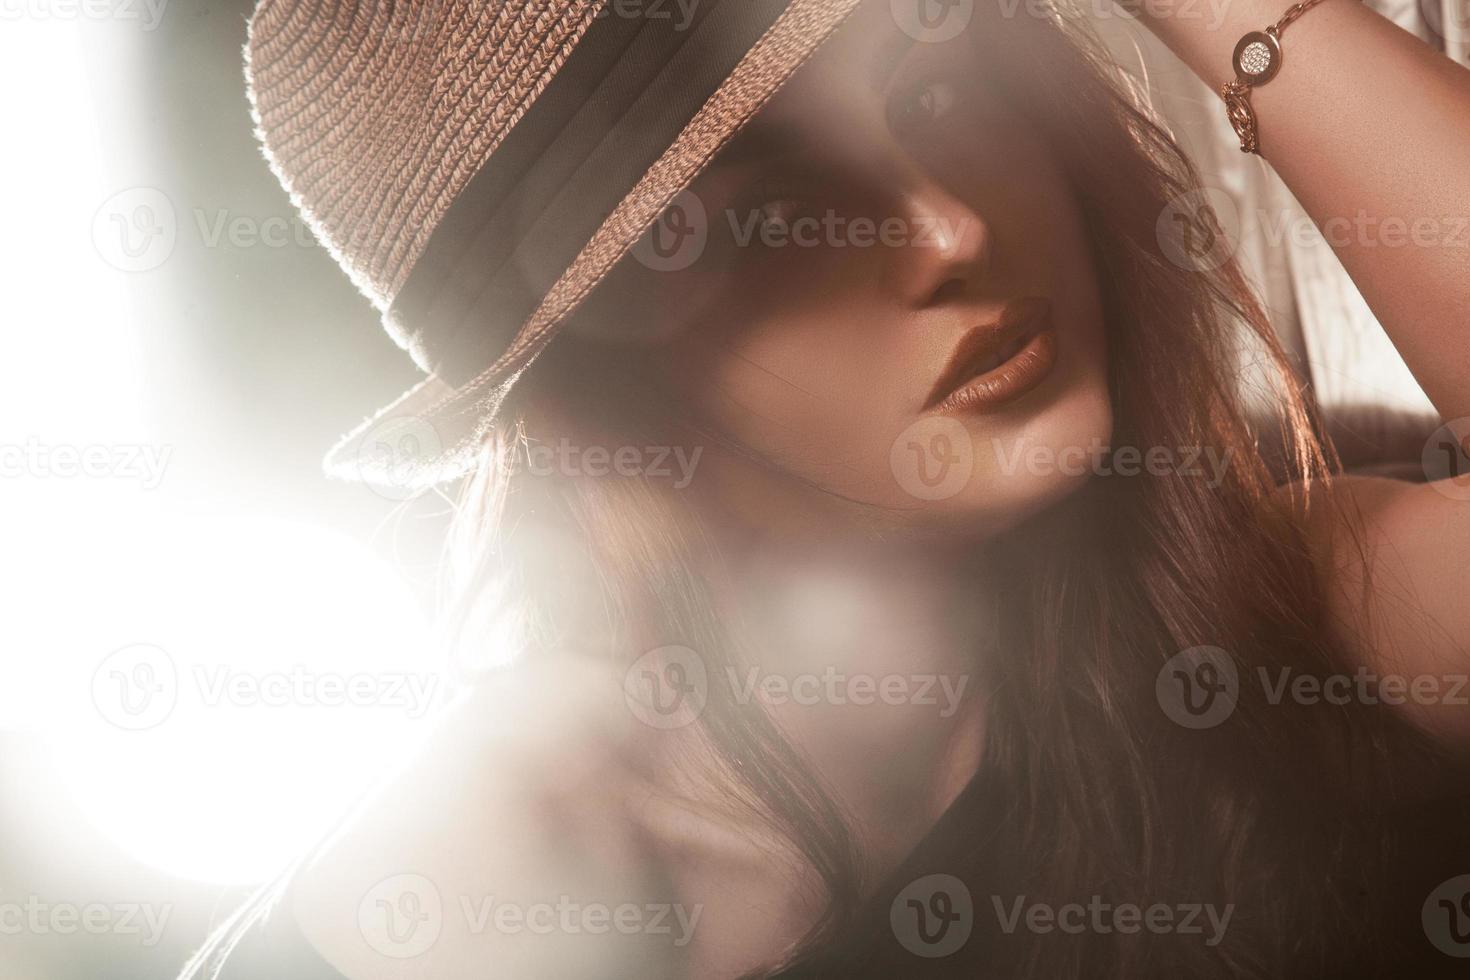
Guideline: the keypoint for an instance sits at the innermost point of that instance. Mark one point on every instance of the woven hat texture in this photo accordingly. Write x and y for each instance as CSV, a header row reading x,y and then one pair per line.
x,y
374,116
477,166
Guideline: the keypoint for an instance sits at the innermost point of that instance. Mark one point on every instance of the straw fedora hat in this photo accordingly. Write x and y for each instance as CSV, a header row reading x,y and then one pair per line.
x,y
478,166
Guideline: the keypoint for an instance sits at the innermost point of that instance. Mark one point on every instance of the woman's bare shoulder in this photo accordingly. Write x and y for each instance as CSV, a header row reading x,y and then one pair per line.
x,y
501,842
1390,556
545,830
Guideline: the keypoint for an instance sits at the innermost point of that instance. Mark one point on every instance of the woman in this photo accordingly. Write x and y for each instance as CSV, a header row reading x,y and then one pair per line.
x,y
812,620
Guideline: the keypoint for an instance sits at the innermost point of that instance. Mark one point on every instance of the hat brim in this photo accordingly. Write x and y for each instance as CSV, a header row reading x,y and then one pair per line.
x,y
409,445
432,433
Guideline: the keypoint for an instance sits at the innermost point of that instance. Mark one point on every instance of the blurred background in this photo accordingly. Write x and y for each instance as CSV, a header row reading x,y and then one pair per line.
x,y
208,648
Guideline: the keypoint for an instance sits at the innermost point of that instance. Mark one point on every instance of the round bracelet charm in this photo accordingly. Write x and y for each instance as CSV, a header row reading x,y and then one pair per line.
x,y
1257,57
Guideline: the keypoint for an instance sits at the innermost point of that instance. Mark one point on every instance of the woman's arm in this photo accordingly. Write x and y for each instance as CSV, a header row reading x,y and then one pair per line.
x,y
1370,129
1392,562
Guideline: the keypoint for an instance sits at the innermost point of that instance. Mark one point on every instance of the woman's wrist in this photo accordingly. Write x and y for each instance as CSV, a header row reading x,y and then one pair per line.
x,y
1260,56
1204,37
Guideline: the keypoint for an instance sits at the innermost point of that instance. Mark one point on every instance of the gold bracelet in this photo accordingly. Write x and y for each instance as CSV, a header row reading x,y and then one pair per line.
x,y
1257,59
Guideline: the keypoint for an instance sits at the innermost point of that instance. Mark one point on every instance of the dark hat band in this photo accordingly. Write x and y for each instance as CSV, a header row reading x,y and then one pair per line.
x,y
622,97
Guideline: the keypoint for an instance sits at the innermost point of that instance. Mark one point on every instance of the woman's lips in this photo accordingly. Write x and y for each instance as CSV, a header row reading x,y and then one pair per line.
x,y
997,363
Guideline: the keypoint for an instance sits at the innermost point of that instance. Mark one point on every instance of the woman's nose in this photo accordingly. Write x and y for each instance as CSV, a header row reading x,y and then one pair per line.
x,y
947,251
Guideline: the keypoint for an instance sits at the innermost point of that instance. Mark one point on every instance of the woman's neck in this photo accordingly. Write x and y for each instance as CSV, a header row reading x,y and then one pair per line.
x,y
869,656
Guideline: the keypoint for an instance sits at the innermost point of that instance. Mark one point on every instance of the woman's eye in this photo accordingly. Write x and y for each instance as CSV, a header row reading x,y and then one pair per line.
x,y
927,104
780,212
775,204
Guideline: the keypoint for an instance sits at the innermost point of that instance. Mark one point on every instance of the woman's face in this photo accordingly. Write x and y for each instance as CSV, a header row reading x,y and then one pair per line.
x,y
882,286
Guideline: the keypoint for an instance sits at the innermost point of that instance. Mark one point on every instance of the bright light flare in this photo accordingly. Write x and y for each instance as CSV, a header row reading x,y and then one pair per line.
x,y
217,690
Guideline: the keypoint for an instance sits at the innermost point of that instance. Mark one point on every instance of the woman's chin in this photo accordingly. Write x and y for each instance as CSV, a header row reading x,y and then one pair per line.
x,y
983,475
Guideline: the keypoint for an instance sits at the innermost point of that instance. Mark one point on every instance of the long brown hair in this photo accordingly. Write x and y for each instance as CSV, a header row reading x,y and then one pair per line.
x,y
1104,793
